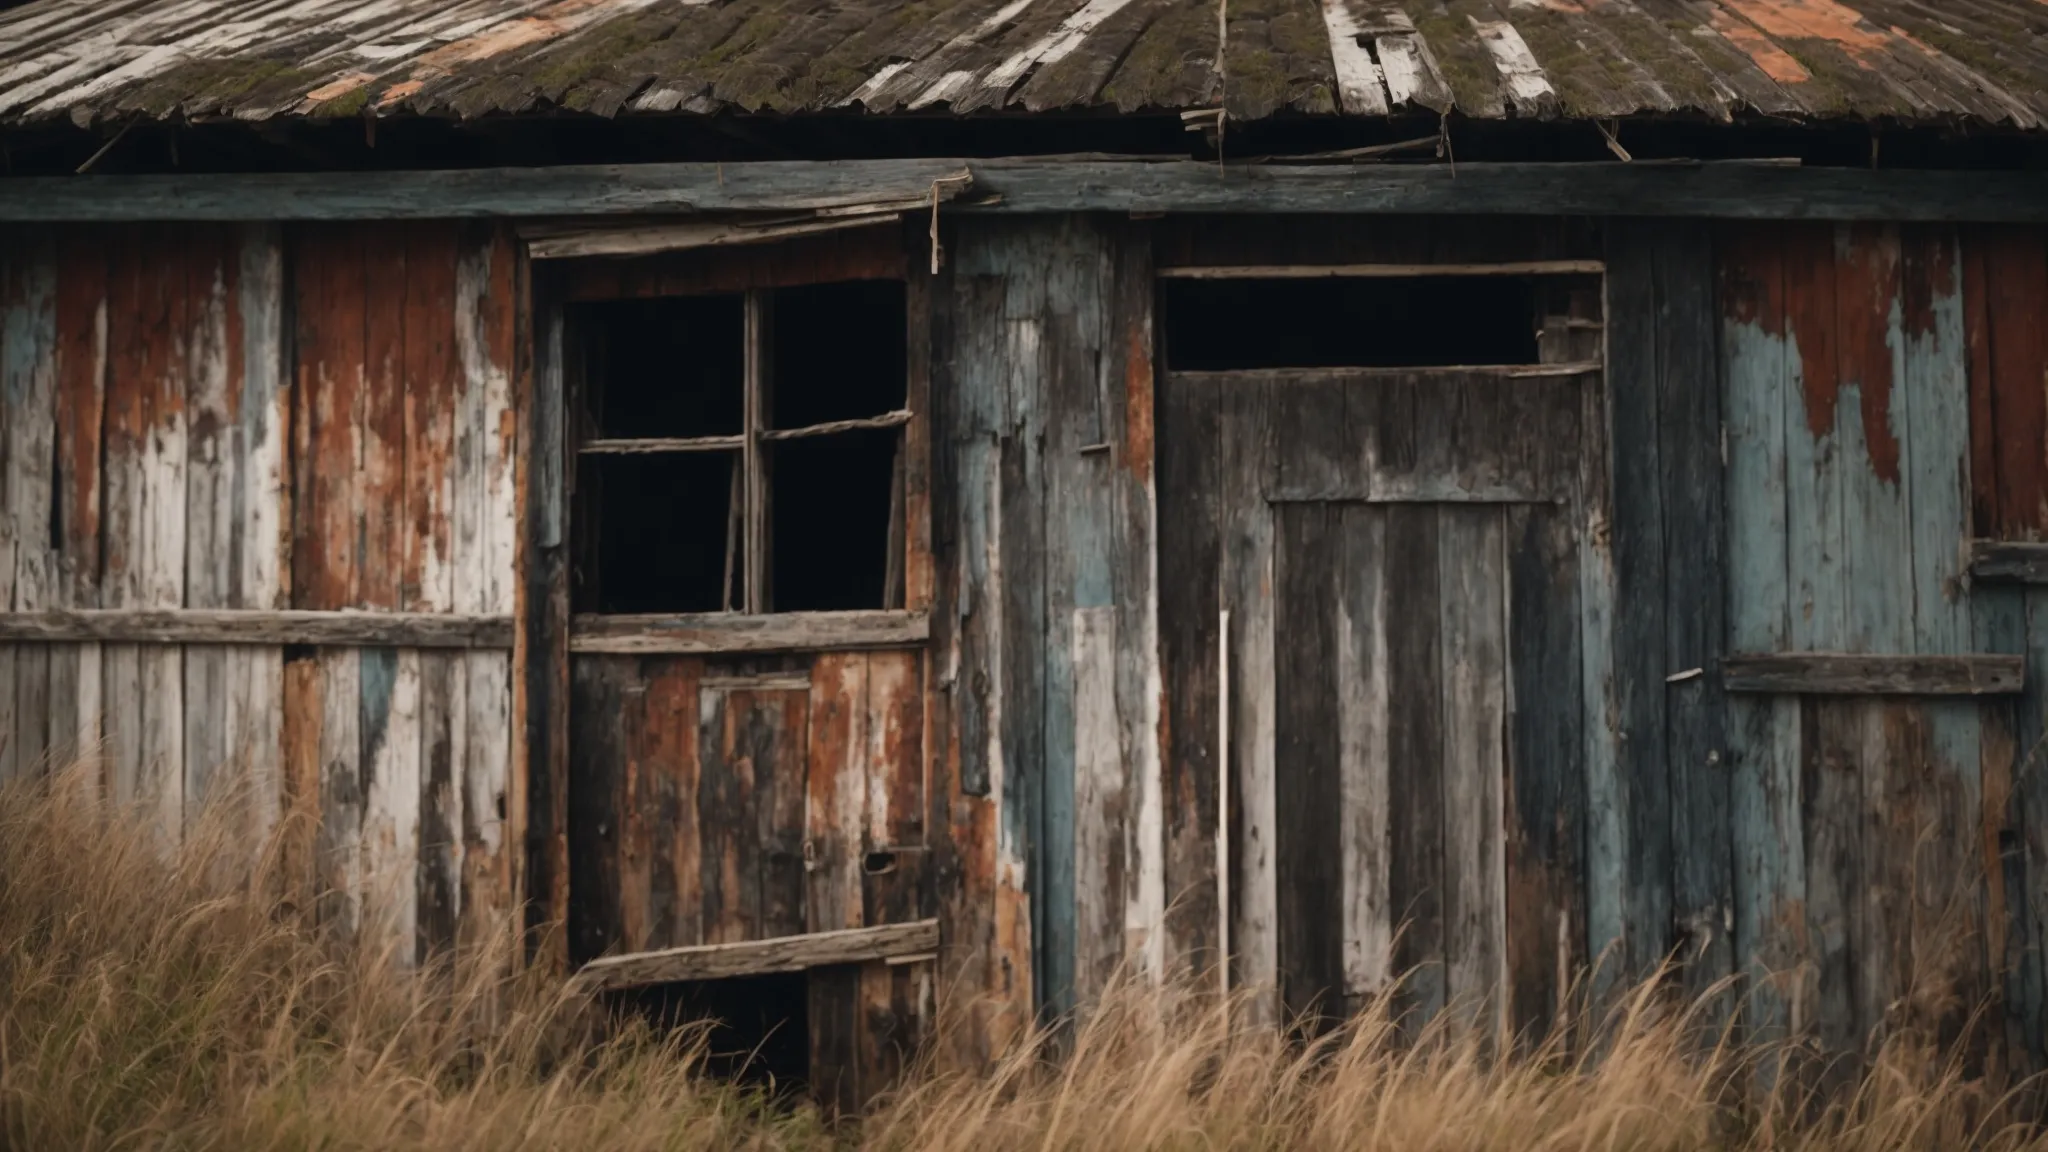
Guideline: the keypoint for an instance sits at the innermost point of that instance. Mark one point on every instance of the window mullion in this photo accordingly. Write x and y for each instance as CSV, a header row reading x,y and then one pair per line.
x,y
757,403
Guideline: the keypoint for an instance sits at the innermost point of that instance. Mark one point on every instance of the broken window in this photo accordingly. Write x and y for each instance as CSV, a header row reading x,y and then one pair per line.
x,y
741,452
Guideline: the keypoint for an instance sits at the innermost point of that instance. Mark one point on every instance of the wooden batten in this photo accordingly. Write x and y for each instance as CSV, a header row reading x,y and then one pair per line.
x,y
900,943
1380,271
708,633
2009,561
258,626
1333,375
561,242
1837,674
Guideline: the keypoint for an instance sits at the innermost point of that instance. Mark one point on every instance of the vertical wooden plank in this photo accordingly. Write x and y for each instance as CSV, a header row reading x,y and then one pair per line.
x,y
2015,267
1190,551
1307,764
1642,787
1974,292
1248,586
1473,566
260,548
669,796
429,379
1695,596
1878,567
596,801
1758,361
1956,880
389,729
778,744
837,791
1101,806
1544,801
1415,757
1598,592
485,526
1364,610
338,866
121,557
299,785
1831,787
212,373
28,371
81,315
1129,407
162,538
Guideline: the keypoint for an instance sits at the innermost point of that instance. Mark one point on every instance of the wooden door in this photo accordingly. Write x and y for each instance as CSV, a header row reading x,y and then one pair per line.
x,y
1398,556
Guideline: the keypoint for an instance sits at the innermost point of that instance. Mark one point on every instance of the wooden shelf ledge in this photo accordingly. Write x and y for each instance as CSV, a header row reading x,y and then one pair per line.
x,y
259,627
1841,674
918,939
711,633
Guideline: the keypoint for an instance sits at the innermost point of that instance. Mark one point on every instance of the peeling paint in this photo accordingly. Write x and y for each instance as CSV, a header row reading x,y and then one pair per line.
x,y
1764,52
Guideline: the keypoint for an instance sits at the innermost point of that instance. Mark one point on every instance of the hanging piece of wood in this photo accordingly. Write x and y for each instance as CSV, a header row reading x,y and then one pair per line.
x,y
896,419
2009,561
1381,271
258,627
706,633
757,957
560,242
1839,674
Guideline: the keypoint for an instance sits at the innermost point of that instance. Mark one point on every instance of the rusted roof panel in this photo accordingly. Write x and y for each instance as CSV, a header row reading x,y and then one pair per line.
x,y
1982,61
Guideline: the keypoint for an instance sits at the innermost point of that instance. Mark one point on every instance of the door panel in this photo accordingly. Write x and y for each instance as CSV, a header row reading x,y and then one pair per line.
x,y
1399,560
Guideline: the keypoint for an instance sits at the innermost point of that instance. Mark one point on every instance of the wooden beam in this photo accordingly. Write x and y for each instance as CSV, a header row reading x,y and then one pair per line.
x,y
1730,190
758,957
1837,674
1380,271
710,633
1339,375
2009,561
254,626
658,445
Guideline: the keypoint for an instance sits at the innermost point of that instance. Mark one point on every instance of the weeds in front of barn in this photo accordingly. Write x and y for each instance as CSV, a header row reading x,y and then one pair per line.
x,y
157,997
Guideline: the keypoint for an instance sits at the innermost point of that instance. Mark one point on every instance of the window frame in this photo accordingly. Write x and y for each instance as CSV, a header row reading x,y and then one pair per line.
x,y
752,624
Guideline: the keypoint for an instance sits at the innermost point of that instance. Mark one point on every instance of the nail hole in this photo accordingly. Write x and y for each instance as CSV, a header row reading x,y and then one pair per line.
x,y
879,863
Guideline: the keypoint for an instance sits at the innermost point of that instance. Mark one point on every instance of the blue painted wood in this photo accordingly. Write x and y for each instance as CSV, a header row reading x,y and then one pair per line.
x,y
1758,361
28,553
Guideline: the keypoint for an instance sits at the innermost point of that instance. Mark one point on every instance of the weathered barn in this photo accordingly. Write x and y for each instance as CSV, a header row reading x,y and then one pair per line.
x,y
883,501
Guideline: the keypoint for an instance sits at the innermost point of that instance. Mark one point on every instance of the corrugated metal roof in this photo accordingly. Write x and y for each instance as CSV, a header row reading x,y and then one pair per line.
x,y
94,60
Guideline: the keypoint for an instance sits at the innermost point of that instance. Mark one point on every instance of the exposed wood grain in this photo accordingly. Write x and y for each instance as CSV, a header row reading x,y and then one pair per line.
x,y
1473,567
1248,454
81,368
757,957
1415,752
262,543
250,626
1365,608
713,632
1102,805
1308,784
1736,190
28,370
1844,674
1378,271
213,381
836,804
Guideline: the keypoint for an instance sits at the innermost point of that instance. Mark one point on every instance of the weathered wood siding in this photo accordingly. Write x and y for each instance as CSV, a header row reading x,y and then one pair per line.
x,y
1880,880
253,417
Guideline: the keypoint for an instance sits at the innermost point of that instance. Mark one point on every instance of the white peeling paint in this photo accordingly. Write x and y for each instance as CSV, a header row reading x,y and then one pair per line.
x,y
1056,45
1359,89
875,83
952,50
947,87
1525,81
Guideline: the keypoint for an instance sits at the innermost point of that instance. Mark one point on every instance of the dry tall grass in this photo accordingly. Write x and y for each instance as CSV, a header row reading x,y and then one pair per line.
x,y
149,1000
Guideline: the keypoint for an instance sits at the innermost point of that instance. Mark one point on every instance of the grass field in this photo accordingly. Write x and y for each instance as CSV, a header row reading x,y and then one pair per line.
x,y
152,998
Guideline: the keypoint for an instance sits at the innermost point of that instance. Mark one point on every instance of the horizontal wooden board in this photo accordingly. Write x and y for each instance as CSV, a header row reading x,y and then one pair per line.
x,y
1730,190
714,632
759,957
1380,271
1838,674
260,627
648,239
2009,561
1337,375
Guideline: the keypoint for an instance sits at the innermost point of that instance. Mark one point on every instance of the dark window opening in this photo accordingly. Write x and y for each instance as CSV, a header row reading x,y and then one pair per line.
x,y
663,525
834,501
668,367
838,352
682,476
758,1027
1345,322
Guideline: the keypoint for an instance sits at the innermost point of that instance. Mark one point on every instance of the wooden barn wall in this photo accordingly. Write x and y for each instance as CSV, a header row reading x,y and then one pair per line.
x,y
1887,849
1047,753
255,417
